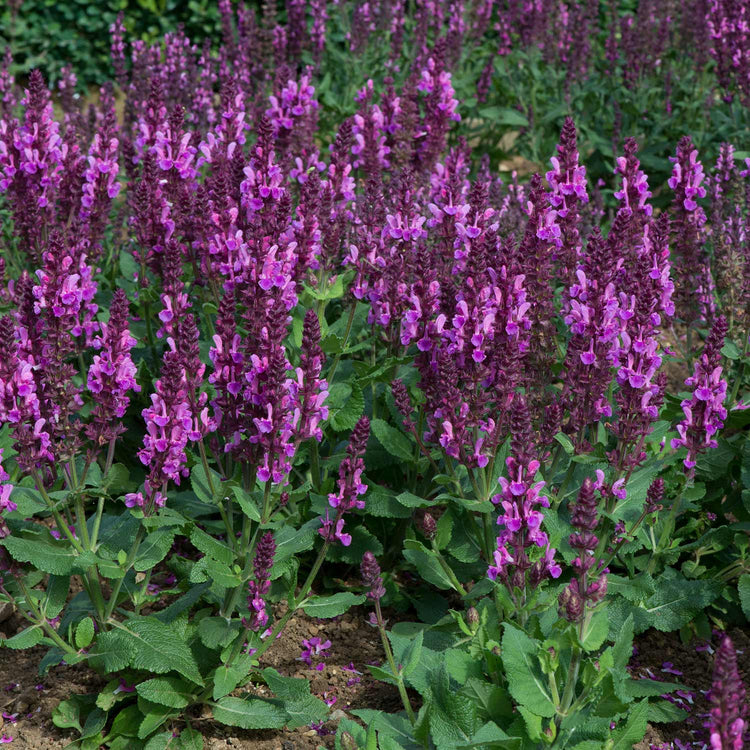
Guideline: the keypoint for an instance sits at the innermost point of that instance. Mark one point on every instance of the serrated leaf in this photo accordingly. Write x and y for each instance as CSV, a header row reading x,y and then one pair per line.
x,y
324,607
528,686
426,562
249,713
217,631
84,633
27,638
247,503
189,739
596,633
153,646
167,691
346,404
634,729
154,715
226,678
302,707
394,441
210,546
44,555
453,716
154,549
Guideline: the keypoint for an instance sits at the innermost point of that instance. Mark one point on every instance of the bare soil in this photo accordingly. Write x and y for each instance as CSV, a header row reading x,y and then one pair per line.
x,y
27,700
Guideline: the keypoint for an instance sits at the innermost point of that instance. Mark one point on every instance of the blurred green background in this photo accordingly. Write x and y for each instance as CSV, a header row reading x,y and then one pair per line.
x,y
51,33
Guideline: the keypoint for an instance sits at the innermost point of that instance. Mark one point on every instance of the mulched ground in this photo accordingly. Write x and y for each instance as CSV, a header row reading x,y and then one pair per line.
x,y
30,700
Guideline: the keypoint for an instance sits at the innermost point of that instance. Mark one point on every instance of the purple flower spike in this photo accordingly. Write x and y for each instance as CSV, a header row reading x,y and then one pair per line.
x,y
727,695
112,373
350,485
704,412
582,591
371,578
259,586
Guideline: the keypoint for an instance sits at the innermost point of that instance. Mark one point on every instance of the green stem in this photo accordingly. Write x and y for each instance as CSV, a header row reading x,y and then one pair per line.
x,y
81,517
59,520
42,620
392,664
97,521
110,456
294,605
448,570
128,564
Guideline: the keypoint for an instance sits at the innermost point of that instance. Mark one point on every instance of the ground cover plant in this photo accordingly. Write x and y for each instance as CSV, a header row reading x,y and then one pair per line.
x,y
283,330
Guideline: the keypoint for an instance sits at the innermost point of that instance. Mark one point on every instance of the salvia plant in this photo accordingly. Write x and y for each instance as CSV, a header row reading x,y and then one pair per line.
x,y
276,346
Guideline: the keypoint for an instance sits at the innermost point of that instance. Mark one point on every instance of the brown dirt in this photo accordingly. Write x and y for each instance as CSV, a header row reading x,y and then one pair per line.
x,y
352,641
33,698
654,651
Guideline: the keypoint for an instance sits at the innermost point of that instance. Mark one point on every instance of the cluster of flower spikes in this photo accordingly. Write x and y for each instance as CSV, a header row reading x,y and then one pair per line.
x,y
350,486
592,315
727,718
589,584
728,26
693,282
704,411
521,518
32,153
645,290
20,404
260,584
729,229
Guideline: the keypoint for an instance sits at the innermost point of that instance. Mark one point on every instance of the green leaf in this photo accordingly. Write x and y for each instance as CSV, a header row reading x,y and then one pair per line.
x,y
426,562
167,691
528,686
159,741
217,631
199,483
58,588
413,654
154,715
84,633
412,501
665,712
324,607
302,707
394,441
634,729
27,638
504,116
226,678
346,403
208,569
51,558
154,549
249,713
153,646
597,630
210,546
743,587
67,715
247,503
453,716
189,739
